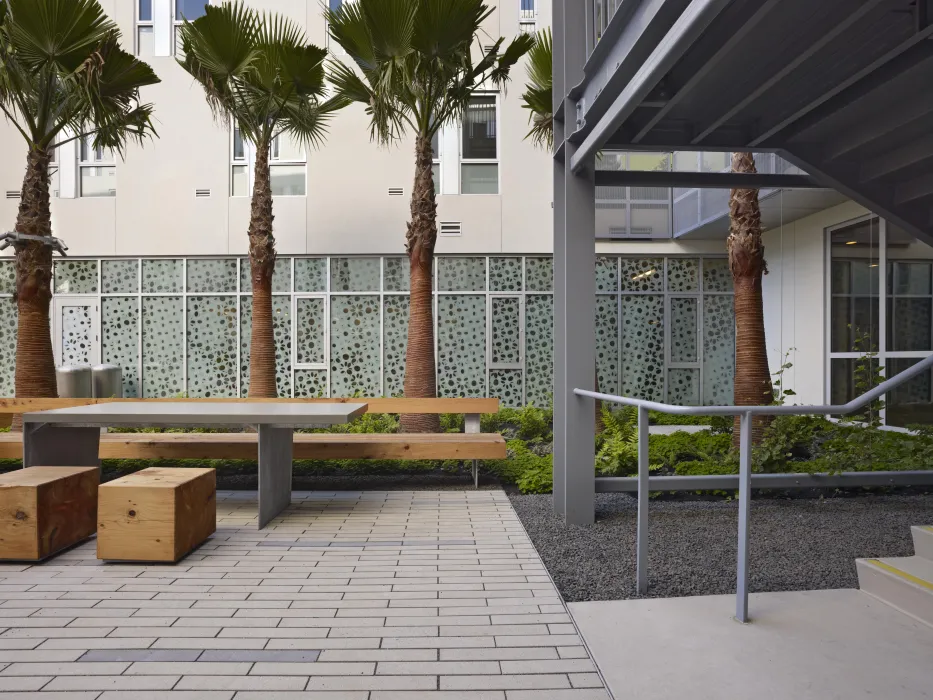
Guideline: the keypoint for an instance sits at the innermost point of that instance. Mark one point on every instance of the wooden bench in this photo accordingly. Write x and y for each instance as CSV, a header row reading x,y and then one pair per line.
x,y
155,515
43,510
470,446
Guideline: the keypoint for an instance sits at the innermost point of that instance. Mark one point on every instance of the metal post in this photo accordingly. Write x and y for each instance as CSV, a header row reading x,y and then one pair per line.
x,y
745,495
472,425
641,538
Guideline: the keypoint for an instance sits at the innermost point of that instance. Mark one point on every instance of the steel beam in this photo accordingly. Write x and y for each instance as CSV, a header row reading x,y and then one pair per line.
x,y
729,180
898,159
729,482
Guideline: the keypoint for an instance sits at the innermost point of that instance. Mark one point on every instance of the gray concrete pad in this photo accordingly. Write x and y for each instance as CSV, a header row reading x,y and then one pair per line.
x,y
806,645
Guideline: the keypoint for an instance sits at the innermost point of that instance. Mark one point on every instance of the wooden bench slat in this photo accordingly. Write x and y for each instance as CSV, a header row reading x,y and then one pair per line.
x,y
10,406
434,446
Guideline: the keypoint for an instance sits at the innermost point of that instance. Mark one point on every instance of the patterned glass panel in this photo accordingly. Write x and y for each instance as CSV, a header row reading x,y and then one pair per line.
x,y
506,331
684,339
163,349
718,350
505,274
119,276
683,387
461,274
539,274
682,274
212,275
281,332
77,327
75,276
539,349
9,317
717,277
309,326
354,346
461,345
607,344
354,274
162,276
506,385
310,383
212,350
396,274
7,277
120,339
642,274
310,275
607,278
395,329
643,347
281,276
909,323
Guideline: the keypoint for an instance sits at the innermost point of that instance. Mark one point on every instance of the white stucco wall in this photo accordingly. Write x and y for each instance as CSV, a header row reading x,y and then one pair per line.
x,y
347,210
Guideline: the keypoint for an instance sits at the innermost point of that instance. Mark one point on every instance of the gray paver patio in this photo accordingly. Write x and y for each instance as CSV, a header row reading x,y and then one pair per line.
x,y
346,596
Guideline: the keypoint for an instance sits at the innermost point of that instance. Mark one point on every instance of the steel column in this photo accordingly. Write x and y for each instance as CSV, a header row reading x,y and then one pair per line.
x,y
641,538
745,495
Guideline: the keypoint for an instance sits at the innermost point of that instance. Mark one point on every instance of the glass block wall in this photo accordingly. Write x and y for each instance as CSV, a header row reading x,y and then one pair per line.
x,y
182,326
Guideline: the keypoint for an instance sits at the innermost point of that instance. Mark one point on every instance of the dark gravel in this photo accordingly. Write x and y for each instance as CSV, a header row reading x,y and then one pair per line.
x,y
796,544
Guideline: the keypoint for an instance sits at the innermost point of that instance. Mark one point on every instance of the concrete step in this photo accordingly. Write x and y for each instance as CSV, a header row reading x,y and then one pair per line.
x,y
905,583
923,541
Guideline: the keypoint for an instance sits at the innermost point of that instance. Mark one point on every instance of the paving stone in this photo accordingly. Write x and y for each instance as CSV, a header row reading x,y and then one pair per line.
x,y
140,655
254,655
505,682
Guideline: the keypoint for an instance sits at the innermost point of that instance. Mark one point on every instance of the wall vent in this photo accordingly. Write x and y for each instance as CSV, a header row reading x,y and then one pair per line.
x,y
202,193
12,194
396,191
450,228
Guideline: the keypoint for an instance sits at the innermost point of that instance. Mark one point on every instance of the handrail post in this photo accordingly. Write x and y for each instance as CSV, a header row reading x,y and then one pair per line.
x,y
641,537
745,494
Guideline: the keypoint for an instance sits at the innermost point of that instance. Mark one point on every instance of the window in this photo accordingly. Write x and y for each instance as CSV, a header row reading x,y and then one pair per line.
x,y
527,16
287,167
186,10
880,304
479,167
145,30
97,171
436,167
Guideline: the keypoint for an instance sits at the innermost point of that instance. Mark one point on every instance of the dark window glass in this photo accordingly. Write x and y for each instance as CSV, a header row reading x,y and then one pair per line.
x,y
479,128
145,10
189,9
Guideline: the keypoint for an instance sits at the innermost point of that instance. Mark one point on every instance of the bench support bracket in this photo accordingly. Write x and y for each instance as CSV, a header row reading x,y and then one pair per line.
x,y
275,472
471,425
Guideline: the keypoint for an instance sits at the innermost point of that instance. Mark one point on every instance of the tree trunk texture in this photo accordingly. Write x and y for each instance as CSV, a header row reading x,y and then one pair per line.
x,y
262,266
35,362
421,237
747,263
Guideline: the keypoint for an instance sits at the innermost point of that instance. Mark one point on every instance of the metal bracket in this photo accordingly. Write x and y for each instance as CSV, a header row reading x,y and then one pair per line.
x,y
18,240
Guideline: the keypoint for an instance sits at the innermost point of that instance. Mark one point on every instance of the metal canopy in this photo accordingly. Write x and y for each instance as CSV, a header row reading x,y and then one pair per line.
x,y
841,88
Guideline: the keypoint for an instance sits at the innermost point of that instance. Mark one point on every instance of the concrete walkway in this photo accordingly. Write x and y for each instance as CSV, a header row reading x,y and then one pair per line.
x,y
347,596
805,645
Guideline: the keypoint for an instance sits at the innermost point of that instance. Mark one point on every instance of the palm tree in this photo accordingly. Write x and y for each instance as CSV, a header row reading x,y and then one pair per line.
x,y
747,262
63,77
539,91
259,72
414,70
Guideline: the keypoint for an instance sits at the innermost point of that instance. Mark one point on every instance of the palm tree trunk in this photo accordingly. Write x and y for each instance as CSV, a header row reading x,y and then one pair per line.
x,y
35,363
420,371
747,262
262,265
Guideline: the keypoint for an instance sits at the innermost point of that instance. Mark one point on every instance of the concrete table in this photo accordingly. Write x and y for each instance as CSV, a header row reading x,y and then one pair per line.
x,y
71,436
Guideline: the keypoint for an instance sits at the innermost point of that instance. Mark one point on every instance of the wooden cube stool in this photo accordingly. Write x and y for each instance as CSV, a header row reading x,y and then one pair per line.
x,y
46,509
156,514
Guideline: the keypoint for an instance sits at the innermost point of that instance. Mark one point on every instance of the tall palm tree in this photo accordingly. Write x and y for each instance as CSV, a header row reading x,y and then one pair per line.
x,y
414,70
63,77
747,262
539,91
260,73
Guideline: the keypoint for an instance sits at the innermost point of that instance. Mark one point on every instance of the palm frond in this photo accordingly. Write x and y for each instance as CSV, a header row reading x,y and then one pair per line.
x,y
539,93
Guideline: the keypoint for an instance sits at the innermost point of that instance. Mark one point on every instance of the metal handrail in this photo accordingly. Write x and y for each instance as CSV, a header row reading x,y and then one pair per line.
x,y
745,414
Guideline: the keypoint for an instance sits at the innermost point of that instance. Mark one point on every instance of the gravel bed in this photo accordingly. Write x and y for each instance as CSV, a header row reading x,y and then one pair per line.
x,y
796,544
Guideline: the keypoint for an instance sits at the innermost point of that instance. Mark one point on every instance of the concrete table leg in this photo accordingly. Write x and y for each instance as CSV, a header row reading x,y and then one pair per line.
x,y
275,472
46,445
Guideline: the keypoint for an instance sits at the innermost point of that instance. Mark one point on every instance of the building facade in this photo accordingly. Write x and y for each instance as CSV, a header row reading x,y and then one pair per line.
x,y
156,281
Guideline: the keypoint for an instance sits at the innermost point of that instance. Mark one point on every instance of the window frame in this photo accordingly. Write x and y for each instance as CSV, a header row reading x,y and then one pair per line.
x,y
483,161
528,19
140,23
104,160
248,161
